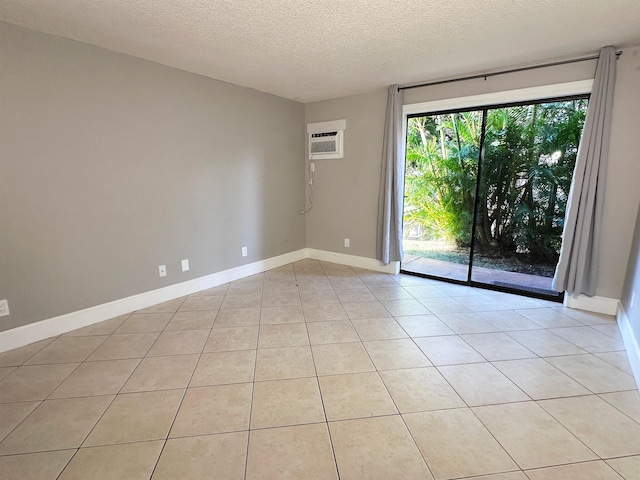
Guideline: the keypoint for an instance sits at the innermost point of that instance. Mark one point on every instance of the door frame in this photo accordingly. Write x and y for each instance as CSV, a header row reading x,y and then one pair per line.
x,y
485,102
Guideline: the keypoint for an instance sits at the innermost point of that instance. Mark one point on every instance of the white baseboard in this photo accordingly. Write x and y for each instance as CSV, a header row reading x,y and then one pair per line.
x,y
353,261
631,343
604,305
33,332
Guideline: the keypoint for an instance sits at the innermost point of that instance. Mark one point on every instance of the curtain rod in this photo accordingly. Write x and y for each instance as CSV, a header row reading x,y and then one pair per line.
x,y
503,72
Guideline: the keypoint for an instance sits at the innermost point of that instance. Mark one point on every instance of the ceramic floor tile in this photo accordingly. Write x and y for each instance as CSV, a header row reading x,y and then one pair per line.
x,y
67,350
539,379
96,378
548,318
502,476
35,466
395,354
133,461
455,444
225,367
448,350
482,303
356,295
360,310
590,339
162,373
603,428
219,291
400,308
610,330
482,384
106,327
56,425
595,374
280,299
34,382
508,320
532,437
195,458
166,307
321,333
598,470
466,323
283,363
620,360
4,371
291,453
286,402
196,320
345,283
321,297
497,346
144,322
236,288
324,313
179,343
423,326
390,293
378,329
237,317
285,314
420,389
11,414
283,335
586,318
425,291
234,338
444,305
201,303
355,395
388,452
628,467
129,418
341,358
135,345
545,343
242,300
627,402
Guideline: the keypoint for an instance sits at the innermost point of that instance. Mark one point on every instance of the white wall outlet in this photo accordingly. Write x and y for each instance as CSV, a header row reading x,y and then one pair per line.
x,y
633,300
312,166
347,242
162,270
4,308
244,251
185,265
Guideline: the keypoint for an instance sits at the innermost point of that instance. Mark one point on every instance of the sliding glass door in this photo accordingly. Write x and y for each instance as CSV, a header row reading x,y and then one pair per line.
x,y
486,192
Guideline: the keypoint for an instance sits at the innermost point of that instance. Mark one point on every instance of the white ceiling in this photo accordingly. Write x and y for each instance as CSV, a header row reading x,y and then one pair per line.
x,y
310,50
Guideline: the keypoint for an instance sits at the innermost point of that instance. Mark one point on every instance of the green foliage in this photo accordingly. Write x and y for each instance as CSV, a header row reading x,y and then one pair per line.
x,y
529,157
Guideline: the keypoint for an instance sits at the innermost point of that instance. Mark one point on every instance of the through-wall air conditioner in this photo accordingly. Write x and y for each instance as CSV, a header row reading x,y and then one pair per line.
x,y
326,139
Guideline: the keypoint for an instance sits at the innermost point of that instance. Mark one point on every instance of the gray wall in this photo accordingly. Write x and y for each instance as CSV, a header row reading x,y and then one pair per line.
x,y
111,166
346,191
632,284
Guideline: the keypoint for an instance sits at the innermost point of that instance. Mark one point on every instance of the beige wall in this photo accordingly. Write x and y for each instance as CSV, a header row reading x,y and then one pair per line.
x,y
347,190
111,166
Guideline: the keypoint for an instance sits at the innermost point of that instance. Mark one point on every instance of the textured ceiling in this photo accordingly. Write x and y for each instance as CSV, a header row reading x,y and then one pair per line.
x,y
312,50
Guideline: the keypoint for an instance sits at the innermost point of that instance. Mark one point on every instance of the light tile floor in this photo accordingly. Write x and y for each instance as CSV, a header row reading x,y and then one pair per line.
x,y
317,370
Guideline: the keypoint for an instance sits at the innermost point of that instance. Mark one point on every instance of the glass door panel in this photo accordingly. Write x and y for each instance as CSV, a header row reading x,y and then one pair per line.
x,y
527,165
440,185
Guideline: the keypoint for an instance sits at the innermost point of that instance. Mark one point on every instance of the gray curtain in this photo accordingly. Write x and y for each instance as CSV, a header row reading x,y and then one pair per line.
x,y
577,270
390,200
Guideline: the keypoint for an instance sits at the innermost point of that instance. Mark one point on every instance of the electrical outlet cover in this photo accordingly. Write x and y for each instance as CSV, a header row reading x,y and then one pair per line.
x,y
185,265
162,270
244,251
4,308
